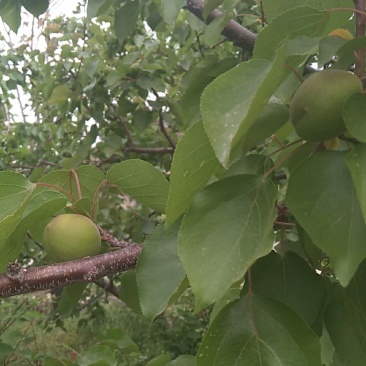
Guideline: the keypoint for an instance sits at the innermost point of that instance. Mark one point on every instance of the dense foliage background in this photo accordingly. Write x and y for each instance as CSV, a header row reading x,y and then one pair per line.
x,y
167,123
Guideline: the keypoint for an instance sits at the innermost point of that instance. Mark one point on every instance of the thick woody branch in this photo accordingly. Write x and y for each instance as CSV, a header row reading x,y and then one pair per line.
x,y
88,269
233,31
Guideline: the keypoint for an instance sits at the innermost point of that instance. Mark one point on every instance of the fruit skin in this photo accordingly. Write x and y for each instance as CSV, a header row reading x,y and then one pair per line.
x,y
316,107
71,236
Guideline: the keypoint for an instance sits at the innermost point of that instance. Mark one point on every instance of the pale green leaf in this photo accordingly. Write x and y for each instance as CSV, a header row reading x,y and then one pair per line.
x,y
183,360
356,162
354,116
227,228
209,6
142,181
322,198
259,332
171,9
213,31
14,190
194,162
159,271
125,19
232,102
60,94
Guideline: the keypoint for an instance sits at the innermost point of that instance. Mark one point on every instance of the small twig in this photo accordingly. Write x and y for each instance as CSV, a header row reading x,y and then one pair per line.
x,y
107,285
106,236
200,48
124,125
164,131
149,150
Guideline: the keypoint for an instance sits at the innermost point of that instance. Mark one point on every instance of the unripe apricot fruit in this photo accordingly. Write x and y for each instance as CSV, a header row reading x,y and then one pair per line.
x,y
316,107
71,236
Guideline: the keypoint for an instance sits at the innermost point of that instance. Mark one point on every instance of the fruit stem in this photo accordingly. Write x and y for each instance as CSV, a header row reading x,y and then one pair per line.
x,y
94,203
77,182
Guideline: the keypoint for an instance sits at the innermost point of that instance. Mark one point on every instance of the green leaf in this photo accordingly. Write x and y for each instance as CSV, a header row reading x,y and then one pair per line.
x,y
116,338
213,31
60,94
142,181
36,7
354,116
271,119
36,207
233,101
70,298
128,291
171,9
345,320
125,19
209,6
322,198
159,271
161,360
273,9
97,7
355,161
193,164
89,178
10,13
227,228
183,360
259,331
14,190
278,277
294,22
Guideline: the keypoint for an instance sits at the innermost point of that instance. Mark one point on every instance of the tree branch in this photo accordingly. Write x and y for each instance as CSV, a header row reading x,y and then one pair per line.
x,y
88,269
233,31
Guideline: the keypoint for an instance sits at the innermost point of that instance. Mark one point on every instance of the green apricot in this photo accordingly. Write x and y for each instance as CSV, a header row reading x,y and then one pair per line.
x,y
71,236
316,107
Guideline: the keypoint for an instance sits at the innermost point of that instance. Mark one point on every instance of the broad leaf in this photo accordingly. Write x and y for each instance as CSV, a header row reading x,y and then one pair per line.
x,y
227,227
142,181
158,272
70,298
98,7
232,102
271,119
355,161
278,276
272,9
322,198
60,94
354,116
14,189
260,332
294,22
171,9
193,164
10,13
125,19
128,291
345,320
209,6
36,7
212,34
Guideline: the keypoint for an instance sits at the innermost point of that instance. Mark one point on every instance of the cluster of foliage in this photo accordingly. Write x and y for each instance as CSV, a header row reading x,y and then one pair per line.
x,y
166,132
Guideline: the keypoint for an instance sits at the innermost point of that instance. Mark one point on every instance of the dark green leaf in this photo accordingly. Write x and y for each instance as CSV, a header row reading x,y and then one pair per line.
x,y
70,298
36,7
128,292
322,198
227,227
259,331
354,116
